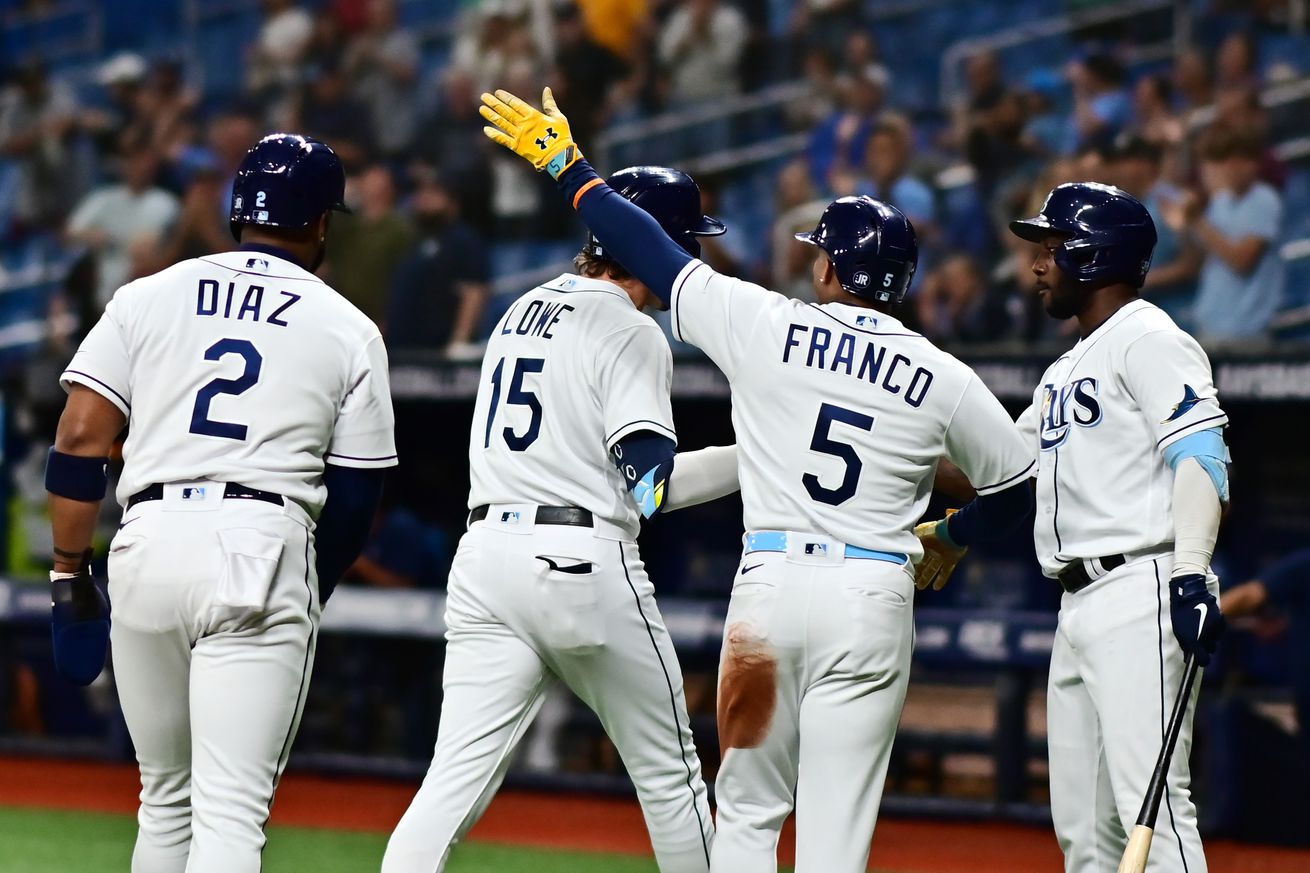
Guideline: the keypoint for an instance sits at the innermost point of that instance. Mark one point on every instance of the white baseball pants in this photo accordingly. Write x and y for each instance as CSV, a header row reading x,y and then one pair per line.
x,y
526,601
813,674
1115,671
215,615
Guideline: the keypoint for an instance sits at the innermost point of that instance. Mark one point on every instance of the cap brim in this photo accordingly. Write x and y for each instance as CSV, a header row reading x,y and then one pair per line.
x,y
341,207
709,227
1034,229
806,237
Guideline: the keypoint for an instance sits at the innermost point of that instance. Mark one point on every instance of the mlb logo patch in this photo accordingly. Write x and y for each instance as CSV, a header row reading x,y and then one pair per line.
x,y
865,321
257,264
509,518
193,492
816,549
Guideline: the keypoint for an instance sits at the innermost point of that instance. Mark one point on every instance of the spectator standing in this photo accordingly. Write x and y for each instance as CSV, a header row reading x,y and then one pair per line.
x,y
1237,62
619,25
109,124
1154,116
1193,85
954,304
843,137
1102,107
798,208
115,219
38,118
700,49
383,62
1136,165
280,48
200,229
587,70
820,98
1242,276
329,113
452,136
886,166
366,247
440,287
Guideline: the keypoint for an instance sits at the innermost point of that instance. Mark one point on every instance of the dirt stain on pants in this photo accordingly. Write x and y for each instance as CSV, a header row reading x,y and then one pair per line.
x,y
748,691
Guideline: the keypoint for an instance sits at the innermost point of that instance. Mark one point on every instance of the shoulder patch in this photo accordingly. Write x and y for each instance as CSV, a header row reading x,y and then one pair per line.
x,y
1184,406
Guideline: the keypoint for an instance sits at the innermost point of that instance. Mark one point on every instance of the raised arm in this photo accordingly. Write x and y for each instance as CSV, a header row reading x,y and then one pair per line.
x,y
629,233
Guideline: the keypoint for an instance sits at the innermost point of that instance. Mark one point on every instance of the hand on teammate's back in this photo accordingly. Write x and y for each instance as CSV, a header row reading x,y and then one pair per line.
x,y
1196,618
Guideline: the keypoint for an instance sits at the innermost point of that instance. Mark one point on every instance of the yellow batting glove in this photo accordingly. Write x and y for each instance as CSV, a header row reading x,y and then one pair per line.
x,y
939,556
543,138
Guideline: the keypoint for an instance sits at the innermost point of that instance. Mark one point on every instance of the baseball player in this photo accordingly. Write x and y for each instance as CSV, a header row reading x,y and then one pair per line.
x,y
840,414
572,444
1131,475
258,402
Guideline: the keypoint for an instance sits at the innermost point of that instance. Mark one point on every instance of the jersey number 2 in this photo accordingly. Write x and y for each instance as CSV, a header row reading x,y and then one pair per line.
x,y
201,423
516,396
822,442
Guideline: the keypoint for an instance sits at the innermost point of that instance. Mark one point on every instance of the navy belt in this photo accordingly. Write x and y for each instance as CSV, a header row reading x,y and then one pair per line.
x,y
230,490
1075,577
568,515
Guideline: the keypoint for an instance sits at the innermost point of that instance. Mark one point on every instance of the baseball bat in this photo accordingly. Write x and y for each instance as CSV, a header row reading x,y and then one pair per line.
x,y
1139,843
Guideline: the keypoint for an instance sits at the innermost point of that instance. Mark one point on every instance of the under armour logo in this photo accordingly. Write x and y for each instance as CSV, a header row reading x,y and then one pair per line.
x,y
543,141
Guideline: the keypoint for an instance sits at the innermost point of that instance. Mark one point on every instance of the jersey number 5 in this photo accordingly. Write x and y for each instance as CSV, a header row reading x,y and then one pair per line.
x,y
823,443
201,423
516,396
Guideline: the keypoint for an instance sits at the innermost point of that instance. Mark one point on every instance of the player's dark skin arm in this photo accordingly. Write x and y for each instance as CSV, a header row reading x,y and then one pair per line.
x,y
951,481
88,428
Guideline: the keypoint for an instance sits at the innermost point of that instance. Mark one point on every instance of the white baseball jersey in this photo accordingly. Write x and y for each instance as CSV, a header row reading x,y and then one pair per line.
x,y
240,367
841,412
571,369
1100,421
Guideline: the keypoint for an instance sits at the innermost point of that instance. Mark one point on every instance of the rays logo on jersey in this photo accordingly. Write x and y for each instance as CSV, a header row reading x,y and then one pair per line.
x,y
1063,407
1184,406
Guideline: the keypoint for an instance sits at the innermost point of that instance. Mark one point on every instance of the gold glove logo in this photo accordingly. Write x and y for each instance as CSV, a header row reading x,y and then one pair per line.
x,y
543,141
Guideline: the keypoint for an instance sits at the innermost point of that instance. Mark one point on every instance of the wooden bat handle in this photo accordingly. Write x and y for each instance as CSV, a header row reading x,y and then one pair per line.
x,y
1139,844
1139,847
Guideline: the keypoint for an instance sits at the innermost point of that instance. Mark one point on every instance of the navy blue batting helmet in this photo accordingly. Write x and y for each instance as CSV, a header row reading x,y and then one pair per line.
x,y
1109,234
672,198
286,181
872,246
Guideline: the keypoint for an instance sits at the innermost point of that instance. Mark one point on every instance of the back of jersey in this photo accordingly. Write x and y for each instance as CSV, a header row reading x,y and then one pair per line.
x,y
842,413
240,367
571,369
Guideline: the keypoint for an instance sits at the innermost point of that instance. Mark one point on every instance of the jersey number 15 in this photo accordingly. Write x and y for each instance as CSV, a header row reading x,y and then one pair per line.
x,y
516,396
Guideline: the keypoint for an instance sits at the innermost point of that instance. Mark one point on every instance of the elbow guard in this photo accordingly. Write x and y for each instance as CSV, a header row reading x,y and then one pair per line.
x,y
645,460
1208,448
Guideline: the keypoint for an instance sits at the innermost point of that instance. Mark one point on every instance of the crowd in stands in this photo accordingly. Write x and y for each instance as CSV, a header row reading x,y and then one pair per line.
x,y
132,172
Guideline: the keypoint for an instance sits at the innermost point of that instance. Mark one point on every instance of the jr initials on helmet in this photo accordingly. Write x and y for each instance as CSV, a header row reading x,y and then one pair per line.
x,y
1110,235
286,181
872,246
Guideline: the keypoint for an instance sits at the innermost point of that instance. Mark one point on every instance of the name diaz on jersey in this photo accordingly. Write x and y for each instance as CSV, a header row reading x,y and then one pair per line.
x,y
209,298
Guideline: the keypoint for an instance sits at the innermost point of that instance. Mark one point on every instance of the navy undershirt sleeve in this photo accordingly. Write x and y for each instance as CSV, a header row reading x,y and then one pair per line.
x,y
992,516
343,525
626,231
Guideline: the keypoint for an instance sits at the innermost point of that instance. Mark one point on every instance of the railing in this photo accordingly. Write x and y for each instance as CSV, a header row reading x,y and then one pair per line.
x,y
87,42
682,127
1058,25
